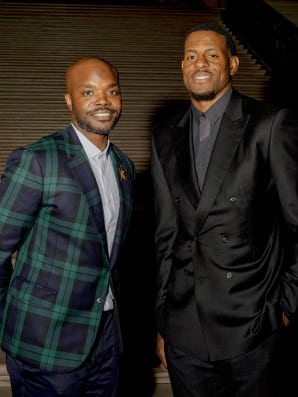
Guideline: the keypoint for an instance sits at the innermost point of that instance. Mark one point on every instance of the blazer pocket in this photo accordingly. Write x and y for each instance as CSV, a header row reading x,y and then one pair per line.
x,y
34,294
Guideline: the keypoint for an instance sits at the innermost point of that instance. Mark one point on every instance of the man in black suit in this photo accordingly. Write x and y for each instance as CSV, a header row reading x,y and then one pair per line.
x,y
226,208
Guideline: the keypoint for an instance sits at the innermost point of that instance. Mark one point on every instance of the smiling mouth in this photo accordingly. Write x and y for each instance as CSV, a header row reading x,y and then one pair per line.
x,y
201,77
102,114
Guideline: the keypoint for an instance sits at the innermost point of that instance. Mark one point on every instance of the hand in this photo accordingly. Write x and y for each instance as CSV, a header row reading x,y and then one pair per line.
x,y
285,319
160,350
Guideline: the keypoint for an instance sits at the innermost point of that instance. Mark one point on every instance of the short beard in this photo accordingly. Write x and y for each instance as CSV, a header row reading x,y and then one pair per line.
x,y
87,127
203,97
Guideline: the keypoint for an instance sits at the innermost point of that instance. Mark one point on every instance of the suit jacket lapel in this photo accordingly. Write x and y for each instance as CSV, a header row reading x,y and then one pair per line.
x,y
79,165
185,161
228,138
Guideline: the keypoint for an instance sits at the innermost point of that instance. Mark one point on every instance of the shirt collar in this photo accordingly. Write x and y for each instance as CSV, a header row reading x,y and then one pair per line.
x,y
92,150
216,110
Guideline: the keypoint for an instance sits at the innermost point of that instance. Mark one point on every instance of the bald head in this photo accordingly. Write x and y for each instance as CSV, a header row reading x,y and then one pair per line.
x,y
87,63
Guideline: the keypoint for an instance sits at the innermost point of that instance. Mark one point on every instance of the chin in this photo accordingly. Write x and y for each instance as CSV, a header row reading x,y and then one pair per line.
x,y
203,96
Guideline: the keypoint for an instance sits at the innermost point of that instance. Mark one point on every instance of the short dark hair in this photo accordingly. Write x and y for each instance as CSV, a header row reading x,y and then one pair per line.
x,y
213,27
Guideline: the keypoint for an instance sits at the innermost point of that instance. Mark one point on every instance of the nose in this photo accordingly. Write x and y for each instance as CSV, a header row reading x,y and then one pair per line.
x,y
101,98
201,61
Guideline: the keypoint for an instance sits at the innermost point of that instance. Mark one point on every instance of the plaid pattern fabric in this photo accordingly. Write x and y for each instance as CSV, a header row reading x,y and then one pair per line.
x,y
51,215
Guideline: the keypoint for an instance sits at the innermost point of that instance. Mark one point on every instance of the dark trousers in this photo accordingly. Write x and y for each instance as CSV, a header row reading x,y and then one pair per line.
x,y
97,377
258,373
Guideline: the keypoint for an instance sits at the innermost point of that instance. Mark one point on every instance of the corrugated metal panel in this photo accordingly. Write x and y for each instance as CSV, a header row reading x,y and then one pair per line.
x,y
39,41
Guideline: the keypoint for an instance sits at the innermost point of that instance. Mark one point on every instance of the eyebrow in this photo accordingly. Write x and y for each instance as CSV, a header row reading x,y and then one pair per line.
x,y
206,49
89,85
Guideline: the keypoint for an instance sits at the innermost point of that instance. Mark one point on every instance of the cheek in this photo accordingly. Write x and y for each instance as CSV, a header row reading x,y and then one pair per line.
x,y
116,102
186,75
80,110
224,75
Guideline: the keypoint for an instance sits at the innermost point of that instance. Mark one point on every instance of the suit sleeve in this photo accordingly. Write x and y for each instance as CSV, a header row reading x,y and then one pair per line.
x,y
284,159
165,232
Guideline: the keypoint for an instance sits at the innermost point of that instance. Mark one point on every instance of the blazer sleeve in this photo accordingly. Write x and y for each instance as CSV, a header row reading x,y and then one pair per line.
x,y
20,195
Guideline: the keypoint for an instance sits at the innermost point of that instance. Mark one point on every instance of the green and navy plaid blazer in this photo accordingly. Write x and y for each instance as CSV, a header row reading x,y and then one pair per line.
x,y
51,300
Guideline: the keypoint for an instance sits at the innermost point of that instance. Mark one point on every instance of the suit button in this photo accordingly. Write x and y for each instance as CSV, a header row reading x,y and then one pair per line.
x,y
229,275
233,199
99,300
224,239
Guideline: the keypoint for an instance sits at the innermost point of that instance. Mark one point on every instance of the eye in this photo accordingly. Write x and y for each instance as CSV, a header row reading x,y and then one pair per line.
x,y
113,92
212,56
88,93
190,57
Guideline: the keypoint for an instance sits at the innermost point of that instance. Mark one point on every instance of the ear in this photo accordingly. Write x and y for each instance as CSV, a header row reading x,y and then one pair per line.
x,y
68,101
234,64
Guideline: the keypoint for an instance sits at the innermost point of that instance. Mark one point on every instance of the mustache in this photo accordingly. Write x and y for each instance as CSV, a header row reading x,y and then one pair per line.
x,y
102,109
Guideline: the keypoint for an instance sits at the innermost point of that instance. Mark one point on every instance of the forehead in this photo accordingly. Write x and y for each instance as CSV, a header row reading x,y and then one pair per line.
x,y
89,71
205,38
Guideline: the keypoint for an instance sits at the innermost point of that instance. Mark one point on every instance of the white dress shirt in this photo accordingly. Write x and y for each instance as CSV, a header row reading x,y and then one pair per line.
x,y
103,171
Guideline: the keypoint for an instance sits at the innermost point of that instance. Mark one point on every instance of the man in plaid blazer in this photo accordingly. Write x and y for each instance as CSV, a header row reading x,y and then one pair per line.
x,y
65,206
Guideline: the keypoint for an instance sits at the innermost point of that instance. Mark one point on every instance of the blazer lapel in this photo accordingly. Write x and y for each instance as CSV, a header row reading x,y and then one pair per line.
x,y
123,177
82,173
228,138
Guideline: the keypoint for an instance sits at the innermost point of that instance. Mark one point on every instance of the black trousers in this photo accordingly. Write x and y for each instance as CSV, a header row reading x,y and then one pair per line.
x,y
261,372
97,377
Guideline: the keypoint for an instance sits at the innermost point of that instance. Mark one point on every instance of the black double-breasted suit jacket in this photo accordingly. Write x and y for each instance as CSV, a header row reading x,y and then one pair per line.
x,y
227,256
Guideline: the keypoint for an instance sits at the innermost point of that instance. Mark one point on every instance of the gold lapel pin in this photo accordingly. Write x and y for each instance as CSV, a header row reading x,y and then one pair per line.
x,y
122,174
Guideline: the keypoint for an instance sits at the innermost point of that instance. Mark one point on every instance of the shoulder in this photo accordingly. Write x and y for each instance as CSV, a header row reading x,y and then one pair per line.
x,y
40,151
276,123
46,143
259,108
170,115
